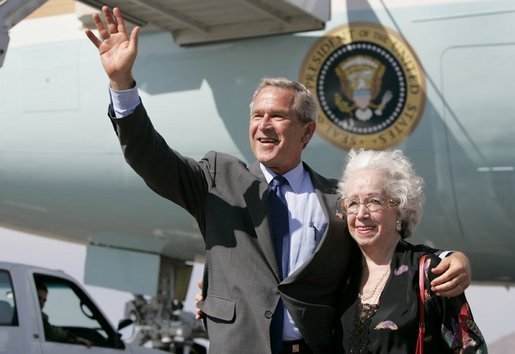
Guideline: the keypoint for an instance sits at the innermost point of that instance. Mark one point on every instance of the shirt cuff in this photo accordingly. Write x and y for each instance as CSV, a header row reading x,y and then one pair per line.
x,y
124,101
444,254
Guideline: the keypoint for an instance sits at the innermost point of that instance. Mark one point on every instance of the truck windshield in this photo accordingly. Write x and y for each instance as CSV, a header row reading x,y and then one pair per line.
x,y
69,316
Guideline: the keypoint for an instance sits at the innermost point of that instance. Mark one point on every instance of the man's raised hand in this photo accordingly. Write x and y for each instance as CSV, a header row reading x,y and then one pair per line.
x,y
117,50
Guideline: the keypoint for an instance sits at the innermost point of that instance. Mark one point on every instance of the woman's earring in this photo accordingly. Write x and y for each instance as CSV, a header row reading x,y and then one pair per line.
x,y
399,227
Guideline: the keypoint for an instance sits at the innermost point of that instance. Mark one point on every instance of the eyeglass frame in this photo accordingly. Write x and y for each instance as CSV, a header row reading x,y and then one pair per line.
x,y
387,202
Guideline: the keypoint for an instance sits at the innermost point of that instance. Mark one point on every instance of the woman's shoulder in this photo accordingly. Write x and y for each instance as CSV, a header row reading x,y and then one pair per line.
x,y
409,255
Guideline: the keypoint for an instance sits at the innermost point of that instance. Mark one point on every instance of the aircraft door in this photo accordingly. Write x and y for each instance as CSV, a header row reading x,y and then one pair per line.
x,y
478,84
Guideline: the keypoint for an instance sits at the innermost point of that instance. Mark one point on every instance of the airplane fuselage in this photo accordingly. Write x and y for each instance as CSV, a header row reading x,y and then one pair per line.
x,y
62,173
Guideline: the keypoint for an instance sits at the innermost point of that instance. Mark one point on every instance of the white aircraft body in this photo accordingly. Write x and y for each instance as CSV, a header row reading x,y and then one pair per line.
x,y
434,78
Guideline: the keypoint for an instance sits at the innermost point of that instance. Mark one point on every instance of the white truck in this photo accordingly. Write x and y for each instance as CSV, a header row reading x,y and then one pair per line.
x,y
45,311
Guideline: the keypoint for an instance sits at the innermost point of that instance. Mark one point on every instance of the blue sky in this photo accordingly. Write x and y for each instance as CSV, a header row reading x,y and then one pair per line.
x,y
492,306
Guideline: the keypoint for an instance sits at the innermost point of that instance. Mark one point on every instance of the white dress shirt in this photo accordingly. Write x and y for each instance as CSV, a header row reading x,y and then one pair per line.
x,y
307,226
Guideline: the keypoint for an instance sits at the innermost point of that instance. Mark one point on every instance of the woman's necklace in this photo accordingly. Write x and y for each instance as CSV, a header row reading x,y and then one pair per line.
x,y
371,295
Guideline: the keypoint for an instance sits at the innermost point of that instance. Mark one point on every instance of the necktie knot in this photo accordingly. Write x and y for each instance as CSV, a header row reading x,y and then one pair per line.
x,y
278,181
276,196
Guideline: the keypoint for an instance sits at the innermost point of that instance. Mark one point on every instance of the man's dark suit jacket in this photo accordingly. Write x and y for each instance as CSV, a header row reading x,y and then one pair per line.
x,y
241,282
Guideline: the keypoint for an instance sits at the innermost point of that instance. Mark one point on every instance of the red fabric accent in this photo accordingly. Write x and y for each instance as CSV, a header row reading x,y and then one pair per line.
x,y
421,300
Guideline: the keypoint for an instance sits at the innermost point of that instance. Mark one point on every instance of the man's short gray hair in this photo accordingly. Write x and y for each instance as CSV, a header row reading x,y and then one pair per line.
x,y
304,103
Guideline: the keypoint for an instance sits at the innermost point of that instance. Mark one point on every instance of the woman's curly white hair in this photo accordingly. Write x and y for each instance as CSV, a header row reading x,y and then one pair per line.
x,y
402,183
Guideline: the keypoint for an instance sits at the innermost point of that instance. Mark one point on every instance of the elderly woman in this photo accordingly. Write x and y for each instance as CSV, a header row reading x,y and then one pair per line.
x,y
382,202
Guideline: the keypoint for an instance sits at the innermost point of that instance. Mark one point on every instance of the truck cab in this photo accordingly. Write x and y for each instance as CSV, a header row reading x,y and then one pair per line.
x,y
45,311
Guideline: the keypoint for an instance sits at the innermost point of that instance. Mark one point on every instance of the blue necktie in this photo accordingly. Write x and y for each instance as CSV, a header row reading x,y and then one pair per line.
x,y
280,223
281,238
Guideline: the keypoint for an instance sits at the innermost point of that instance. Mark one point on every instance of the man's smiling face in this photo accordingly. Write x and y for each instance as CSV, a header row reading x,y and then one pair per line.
x,y
276,135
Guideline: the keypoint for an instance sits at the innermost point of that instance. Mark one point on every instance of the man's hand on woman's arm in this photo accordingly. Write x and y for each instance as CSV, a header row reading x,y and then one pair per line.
x,y
454,275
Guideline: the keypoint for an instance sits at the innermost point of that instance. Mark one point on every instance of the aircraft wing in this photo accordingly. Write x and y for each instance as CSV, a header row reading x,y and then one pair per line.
x,y
197,21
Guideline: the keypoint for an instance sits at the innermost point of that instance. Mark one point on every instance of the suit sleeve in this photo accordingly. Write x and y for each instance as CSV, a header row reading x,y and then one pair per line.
x,y
182,180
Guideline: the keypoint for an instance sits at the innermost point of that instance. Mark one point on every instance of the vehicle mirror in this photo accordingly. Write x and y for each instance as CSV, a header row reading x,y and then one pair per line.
x,y
124,323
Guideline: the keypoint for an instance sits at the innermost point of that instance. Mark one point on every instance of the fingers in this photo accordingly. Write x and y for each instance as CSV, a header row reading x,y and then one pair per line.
x,y
104,34
198,298
133,46
92,37
449,290
452,287
198,312
453,277
441,267
114,21
110,20
84,341
118,20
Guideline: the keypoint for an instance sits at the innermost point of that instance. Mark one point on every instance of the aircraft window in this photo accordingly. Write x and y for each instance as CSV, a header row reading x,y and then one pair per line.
x,y
69,316
8,315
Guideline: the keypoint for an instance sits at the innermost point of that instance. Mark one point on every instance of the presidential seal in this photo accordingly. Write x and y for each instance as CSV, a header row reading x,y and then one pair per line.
x,y
369,84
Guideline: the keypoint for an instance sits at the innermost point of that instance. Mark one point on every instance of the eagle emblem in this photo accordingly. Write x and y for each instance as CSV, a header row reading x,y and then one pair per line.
x,y
360,79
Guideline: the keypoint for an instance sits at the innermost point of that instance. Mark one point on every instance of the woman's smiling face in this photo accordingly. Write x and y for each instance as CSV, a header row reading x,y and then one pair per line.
x,y
371,228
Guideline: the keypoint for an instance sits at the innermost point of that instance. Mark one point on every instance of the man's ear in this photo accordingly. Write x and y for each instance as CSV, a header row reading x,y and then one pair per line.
x,y
309,130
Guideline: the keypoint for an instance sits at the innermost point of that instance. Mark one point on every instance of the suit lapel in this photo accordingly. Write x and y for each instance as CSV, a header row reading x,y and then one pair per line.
x,y
256,194
327,198
256,198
